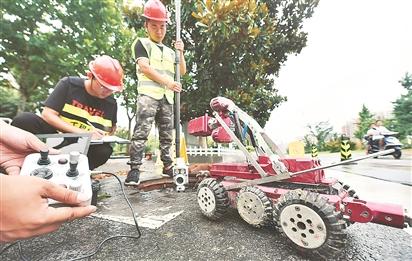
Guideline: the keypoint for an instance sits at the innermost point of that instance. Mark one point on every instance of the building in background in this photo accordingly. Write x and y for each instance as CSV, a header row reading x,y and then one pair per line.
x,y
350,128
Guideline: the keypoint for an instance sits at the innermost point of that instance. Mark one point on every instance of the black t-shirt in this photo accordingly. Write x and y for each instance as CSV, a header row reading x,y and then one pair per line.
x,y
140,51
77,107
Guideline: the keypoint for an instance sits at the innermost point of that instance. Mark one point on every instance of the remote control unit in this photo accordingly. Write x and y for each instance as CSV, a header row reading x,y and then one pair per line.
x,y
67,170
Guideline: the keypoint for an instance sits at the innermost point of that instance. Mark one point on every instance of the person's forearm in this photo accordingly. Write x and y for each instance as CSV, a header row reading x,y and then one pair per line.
x,y
59,124
113,130
182,64
153,75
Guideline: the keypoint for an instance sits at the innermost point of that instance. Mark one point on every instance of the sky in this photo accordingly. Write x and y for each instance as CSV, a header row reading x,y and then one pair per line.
x,y
357,51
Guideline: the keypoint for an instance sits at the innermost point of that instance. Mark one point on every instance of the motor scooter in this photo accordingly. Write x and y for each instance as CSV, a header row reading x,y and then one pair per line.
x,y
389,142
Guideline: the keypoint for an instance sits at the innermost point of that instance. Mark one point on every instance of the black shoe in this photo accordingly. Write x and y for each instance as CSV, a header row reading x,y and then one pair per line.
x,y
168,172
133,177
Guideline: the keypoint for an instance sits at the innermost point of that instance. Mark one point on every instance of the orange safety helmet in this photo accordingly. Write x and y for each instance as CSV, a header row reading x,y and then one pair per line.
x,y
155,10
108,72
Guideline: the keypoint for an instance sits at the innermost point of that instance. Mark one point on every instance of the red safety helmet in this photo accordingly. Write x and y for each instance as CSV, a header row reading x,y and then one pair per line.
x,y
108,72
155,10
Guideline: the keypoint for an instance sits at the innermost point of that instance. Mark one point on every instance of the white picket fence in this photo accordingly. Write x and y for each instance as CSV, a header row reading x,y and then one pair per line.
x,y
199,151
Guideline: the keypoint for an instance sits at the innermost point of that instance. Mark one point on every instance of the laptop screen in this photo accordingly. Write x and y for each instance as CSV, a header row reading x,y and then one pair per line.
x,y
67,142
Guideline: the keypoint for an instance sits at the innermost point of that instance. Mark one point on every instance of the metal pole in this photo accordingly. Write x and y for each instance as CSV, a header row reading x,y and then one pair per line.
x,y
177,73
282,176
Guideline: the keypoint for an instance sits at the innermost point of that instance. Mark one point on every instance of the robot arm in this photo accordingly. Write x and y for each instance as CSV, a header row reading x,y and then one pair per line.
x,y
231,124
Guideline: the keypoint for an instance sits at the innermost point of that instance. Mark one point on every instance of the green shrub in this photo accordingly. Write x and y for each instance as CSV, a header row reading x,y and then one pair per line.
x,y
122,133
334,145
121,149
405,143
152,144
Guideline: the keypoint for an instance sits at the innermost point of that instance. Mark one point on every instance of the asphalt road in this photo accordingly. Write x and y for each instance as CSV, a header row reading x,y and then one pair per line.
x,y
190,236
180,232
384,168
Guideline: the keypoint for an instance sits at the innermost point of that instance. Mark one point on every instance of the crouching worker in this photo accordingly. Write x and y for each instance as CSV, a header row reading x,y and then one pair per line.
x,y
79,105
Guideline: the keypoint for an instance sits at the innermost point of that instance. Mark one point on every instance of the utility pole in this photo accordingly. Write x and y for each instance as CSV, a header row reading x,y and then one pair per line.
x,y
177,73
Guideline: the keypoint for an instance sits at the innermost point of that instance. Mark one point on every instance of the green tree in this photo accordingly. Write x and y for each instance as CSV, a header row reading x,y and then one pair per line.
x,y
309,141
9,99
406,81
234,49
128,97
42,41
403,108
318,135
366,118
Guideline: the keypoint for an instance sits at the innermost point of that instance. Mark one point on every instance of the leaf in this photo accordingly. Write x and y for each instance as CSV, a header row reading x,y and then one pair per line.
x,y
209,5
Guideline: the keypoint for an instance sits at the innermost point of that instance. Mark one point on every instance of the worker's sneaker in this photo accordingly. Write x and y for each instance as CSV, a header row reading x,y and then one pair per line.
x,y
168,172
133,177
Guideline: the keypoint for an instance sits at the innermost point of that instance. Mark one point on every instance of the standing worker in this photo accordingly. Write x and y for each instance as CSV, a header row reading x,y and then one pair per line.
x,y
156,87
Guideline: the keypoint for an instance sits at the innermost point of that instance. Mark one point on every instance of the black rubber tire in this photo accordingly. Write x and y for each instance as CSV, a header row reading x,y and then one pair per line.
x,y
335,239
216,197
397,154
266,217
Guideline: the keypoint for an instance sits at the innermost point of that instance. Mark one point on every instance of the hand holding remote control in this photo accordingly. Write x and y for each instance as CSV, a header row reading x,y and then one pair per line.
x,y
26,212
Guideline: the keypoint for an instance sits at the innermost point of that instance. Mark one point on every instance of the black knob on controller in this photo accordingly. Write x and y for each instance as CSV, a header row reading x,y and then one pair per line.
x,y
44,157
72,172
74,160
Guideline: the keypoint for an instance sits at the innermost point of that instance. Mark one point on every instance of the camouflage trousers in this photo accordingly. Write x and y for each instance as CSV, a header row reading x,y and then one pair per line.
x,y
149,110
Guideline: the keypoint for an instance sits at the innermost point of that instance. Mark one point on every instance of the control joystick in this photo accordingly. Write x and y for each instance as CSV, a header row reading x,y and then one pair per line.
x,y
44,157
74,160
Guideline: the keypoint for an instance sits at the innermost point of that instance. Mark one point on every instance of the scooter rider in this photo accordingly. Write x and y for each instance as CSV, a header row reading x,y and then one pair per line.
x,y
372,134
372,130
380,138
382,130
